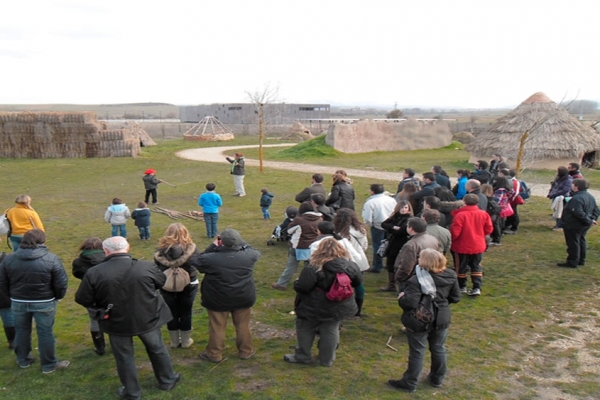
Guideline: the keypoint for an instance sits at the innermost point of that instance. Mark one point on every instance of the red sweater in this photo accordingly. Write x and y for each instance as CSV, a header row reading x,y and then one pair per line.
x,y
469,227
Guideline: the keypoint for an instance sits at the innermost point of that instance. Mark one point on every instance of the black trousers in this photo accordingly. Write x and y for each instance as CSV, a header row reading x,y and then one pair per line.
x,y
148,193
576,246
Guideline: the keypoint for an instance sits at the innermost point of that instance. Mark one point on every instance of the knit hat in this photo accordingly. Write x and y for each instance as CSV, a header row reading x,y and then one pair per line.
x,y
150,171
231,238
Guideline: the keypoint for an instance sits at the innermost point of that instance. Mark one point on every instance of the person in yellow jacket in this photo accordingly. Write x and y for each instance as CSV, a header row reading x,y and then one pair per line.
x,y
22,218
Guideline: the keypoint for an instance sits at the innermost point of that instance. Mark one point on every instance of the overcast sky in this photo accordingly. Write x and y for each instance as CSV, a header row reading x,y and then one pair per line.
x,y
436,53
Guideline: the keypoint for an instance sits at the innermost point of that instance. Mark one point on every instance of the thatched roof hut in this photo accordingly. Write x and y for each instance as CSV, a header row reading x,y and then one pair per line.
x,y
555,136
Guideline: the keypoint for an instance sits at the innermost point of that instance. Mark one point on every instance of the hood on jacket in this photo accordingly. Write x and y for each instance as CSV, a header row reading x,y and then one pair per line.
x,y
312,215
31,254
117,208
165,260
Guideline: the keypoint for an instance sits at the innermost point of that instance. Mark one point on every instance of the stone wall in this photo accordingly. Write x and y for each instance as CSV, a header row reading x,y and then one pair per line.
x,y
368,135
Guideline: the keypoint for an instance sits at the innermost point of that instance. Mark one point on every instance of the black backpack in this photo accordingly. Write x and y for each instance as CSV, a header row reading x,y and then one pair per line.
x,y
421,318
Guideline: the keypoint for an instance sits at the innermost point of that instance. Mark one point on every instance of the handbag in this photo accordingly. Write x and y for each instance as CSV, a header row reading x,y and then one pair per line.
x,y
383,248
99,313
422,318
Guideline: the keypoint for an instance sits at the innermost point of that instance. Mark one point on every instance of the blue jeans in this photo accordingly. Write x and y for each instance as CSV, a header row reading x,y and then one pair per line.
x,y
290,268
266,213
8,318
180,304
144,232
15,241
123,351
43,313
417,344
377,235
117,228
211,219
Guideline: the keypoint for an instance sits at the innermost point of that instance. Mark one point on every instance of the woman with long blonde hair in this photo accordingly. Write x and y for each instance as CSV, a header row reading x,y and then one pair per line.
x,y
314,311
431,277
175,249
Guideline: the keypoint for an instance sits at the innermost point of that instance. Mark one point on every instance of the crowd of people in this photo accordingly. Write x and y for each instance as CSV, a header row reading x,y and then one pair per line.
x,y
412,233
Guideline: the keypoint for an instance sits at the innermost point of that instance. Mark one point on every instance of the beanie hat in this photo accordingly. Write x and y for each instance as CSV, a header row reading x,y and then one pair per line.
x,y
231,238
150,171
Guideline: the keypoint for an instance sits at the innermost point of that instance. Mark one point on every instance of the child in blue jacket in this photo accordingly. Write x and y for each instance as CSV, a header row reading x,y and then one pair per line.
x,y
210,201
141,216
265,202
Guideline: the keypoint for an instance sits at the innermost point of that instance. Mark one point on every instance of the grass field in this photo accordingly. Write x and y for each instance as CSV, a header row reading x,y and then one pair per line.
x,y
533,334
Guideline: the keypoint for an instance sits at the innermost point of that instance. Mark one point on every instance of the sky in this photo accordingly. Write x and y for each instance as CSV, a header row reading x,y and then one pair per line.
x,y
427,53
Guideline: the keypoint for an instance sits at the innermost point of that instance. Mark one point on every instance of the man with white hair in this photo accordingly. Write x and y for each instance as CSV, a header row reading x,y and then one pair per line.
x,y
128,290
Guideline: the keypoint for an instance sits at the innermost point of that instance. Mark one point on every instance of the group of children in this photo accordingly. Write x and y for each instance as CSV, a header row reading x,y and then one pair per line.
x,y
118,213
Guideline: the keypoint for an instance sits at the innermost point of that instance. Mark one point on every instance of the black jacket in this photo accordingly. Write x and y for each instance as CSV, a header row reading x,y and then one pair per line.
x,y
228,282
398,237
327,213
580,212
177,256
448,292
443,180
132,287
312,286
342,190
33,275
86,260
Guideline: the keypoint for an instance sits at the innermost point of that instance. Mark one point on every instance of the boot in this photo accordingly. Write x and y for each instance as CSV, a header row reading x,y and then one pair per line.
x,y
359,303
99,343
391,286
186,340
10,333
175,341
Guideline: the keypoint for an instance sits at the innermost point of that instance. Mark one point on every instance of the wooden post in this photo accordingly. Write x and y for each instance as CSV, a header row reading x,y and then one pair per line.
x,y
521,152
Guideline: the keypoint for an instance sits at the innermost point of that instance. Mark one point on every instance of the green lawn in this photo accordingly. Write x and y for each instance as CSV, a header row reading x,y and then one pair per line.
x,y
532,334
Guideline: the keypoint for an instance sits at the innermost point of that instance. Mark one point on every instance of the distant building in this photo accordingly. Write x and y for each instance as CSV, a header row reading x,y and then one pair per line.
x,y
245,113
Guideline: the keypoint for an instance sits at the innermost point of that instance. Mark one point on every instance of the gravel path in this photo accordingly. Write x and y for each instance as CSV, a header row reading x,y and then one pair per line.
x,y
217,154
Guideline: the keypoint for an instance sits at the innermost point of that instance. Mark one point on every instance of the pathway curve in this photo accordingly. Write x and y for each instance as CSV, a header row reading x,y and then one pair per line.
x,y
217,154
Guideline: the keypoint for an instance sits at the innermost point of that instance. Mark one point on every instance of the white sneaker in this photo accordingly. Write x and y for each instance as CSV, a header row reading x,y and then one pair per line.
x,y
474,292
463,289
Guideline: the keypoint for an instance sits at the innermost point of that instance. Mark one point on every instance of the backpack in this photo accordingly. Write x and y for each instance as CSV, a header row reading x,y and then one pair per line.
x,y
524,190
341,289
421,318
177,279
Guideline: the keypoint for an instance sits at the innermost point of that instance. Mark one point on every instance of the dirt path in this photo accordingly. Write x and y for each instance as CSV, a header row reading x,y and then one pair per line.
x,y
217,154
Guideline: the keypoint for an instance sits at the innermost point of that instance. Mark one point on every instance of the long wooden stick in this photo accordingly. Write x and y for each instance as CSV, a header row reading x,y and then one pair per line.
x,y
167,183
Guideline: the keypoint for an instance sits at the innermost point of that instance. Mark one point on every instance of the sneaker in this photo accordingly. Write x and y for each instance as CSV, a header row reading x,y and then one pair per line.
x,y
474,292
274,285
566,265
557,229
59,365
400,385
291,358
249,356
509,232
463,289
170,386
495,244
28,362
434,383
205,357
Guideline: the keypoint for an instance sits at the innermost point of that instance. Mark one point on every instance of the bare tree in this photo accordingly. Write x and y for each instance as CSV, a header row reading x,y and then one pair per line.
x,y
260,97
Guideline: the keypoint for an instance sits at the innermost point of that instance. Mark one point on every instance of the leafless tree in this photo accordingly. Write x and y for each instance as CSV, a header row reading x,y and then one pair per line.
x,y
267,94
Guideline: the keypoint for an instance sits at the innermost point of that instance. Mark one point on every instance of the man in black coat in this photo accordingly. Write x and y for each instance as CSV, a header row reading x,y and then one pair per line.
x,y
440,176
227,288
579,215
34,279
130,288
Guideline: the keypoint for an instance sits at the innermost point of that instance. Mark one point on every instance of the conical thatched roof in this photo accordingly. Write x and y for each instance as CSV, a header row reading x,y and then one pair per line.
x,y
553,133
